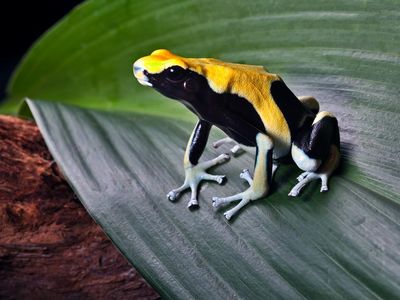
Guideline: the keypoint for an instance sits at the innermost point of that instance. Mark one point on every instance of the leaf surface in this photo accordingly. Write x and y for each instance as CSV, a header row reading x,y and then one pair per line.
x,y
338,244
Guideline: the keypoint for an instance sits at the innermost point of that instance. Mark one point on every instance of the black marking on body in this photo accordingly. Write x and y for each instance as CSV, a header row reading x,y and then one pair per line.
x,y
199,141
316,140
237,118
231,113
295,113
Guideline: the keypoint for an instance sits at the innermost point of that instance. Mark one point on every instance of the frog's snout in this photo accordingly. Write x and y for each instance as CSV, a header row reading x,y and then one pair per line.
x,y
139,73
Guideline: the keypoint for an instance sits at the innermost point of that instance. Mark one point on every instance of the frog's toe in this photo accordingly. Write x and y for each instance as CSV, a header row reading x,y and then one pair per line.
x,y
245,174
171,196
228,215
216,202
233,211
236,149
220,179
324,188
294,192
302,176
203,166
303,182
174,194
217,178
193,203
225,140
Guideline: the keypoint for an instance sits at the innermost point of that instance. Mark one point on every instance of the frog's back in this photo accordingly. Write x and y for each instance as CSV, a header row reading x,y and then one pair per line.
x,y
251,83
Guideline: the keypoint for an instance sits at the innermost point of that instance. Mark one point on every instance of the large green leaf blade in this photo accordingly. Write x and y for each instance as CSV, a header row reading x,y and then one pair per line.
x,y
339,244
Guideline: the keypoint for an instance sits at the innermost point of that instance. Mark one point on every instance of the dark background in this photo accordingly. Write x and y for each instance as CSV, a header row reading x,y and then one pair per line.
x,y
21,24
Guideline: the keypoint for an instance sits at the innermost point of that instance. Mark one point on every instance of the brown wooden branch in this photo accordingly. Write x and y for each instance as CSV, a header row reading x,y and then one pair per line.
x,y
50,248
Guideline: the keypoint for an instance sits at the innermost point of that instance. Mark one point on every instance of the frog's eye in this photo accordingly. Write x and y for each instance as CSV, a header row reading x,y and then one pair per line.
x,y
175,74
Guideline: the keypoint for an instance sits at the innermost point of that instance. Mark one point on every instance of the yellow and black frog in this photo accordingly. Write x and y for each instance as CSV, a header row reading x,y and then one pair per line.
x,y
254,108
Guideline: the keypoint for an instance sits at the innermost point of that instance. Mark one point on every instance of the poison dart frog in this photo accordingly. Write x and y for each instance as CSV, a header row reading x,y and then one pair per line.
x,y
254,108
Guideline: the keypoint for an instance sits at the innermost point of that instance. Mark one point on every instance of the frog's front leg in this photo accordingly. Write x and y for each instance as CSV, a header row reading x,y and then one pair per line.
x,y
259,185
195,172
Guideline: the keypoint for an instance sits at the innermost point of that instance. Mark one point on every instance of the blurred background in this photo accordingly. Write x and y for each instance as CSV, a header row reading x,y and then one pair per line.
x,y
21,23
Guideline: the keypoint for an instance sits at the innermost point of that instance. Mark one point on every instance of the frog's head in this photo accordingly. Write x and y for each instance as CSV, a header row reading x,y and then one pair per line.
x,y
192,79
169,74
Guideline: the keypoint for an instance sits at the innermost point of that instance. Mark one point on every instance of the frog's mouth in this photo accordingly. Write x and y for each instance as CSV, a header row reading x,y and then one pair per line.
x,y
138,72
144,82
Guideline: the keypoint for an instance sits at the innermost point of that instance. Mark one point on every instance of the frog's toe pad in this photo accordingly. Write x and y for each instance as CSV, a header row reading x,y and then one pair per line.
x,y
228,215
294,193
220,179
237,150
193,203
245,174
172,196
216,202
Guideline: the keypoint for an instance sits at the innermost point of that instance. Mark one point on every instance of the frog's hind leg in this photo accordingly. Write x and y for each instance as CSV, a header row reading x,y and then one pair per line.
x,y
315,150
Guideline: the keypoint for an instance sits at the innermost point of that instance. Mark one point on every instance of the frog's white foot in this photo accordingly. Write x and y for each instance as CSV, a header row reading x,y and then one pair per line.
x,y
236,149
194,175
248,195
228,214
306,178
245,197
323,173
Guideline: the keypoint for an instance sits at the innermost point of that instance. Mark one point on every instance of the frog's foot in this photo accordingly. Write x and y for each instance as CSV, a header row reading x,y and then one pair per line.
x,y
323,173
248,195
236,149
307,177
194,175
244,197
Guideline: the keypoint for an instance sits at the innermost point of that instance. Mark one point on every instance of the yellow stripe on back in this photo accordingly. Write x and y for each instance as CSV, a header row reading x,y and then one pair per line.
x,y
247,81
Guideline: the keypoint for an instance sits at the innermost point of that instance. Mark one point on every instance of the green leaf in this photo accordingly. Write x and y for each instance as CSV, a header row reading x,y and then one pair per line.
x,y
342,244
